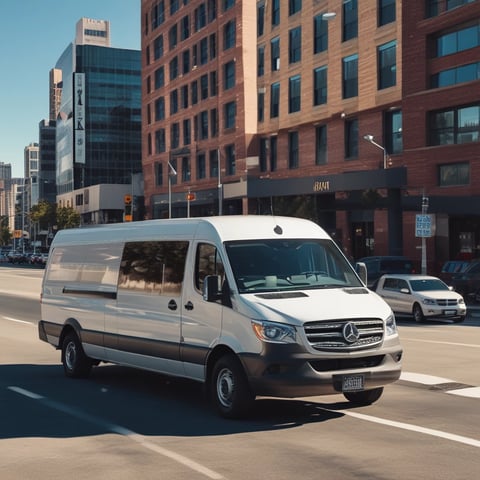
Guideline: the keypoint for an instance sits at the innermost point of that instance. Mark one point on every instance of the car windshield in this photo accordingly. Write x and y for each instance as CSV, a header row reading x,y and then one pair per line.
x,y
274,265
427,285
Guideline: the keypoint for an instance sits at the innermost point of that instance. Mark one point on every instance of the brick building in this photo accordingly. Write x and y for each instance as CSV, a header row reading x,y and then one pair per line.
x,y
321,109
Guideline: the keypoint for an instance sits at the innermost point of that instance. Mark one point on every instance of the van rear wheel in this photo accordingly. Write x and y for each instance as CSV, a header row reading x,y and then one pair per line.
x,y
365,397
75,363
229,389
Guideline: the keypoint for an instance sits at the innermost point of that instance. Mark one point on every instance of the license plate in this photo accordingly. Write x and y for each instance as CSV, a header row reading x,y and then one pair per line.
x,y
449,312
352,383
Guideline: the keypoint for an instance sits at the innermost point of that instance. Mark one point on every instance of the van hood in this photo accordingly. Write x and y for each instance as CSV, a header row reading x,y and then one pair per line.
x,y
299,306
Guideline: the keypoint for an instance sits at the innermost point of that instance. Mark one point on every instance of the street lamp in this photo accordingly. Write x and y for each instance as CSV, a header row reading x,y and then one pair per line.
x,y
369,138
171,171
220,186
425,203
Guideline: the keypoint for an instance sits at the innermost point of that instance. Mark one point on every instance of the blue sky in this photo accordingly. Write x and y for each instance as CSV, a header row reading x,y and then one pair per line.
x,y
34,34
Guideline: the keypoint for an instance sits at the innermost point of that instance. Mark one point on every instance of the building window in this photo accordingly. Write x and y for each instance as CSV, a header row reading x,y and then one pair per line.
x,y
204,86
386,12
160,140
261,61
213,83
159,77
213,45
173,37
149,144
292,150
273,153
203,51
351,139
174,135
295,45
393,131
158,174
320,34
294,94
350,20
456,75
275,12
229,75
294,6
201,166
213,122
350,76
274,100
204,125
185,61
261,106
185,27
229,35
263,154
455,126
213,160
194,92
186,169
159,109
230,159
200,17
387,65
212,10
320,86
230,111
260,19
174,6
227,4
457,41
187,131
275,53
454,174
158,47
173,68
321,145
184,96
173,102
158,14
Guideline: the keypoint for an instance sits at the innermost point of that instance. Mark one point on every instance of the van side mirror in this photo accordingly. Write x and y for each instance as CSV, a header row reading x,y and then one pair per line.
x,y
211,289
361,270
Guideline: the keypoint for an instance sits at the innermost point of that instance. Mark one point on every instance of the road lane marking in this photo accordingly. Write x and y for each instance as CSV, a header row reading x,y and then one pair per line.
x,y
432,381
414,428
136,437
472,392
16,320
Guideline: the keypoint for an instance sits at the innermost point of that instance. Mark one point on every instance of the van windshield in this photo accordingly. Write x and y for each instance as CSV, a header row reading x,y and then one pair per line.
x,y
298,264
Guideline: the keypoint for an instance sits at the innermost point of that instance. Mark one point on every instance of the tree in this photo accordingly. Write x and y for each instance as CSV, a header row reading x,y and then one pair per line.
x,y
67,217
49,216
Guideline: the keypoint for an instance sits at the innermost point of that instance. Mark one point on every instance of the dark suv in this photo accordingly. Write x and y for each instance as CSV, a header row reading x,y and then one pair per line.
x,y
378,266
467,283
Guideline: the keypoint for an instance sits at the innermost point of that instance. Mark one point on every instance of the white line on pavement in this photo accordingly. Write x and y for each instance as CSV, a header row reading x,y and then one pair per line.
x,y
16,320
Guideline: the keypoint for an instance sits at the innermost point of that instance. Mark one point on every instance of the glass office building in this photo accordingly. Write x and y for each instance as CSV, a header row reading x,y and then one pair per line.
x,y
98,138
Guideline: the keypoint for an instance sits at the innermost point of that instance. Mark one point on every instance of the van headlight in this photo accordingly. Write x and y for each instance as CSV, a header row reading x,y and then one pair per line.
x,y
274,332
390,325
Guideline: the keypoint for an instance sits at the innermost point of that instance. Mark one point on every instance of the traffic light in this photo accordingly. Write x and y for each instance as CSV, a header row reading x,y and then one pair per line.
x,y
128,208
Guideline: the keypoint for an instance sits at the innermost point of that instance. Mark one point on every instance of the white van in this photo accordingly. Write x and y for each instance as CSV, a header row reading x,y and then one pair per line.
x,y
249,305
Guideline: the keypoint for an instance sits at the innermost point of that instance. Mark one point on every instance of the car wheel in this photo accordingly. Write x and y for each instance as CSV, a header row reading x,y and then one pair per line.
x,y
365,397
418,313
75,363
230,392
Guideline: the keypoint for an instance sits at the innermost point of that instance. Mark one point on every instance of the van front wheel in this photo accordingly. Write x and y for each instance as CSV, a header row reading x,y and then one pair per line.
x,y
365,397
229,389
75,363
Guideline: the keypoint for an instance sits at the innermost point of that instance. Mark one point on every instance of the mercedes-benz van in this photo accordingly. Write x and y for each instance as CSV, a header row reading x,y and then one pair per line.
x,y
248,305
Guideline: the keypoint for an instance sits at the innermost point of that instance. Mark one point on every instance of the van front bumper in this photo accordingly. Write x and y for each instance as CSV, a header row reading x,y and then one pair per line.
x,y
298,374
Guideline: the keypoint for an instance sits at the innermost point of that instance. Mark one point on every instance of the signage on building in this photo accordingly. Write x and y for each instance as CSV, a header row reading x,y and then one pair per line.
x,y
321,186
423,225
79,116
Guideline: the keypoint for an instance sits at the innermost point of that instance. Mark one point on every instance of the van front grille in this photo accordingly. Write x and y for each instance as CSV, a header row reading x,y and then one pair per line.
x,y
329,335
447,302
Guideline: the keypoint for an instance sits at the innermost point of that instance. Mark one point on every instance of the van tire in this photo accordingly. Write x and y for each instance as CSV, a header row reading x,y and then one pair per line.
x,y
229,389
75,363
418,313
366,397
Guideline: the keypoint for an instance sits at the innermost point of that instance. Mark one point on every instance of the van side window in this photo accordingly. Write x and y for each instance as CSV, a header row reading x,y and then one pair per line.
x,y
153,267
207,262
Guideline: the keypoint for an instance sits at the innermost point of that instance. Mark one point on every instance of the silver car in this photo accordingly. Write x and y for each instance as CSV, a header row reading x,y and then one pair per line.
x,y
422,296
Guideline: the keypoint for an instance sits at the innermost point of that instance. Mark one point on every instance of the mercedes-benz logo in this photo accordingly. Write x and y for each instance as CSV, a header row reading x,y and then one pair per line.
x,y
350,332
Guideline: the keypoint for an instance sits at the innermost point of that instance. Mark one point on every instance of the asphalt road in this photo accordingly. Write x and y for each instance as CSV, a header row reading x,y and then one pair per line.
x,y
122,423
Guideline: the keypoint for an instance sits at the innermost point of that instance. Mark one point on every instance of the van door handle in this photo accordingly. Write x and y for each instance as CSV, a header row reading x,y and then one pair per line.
x,y
189,306
172,305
